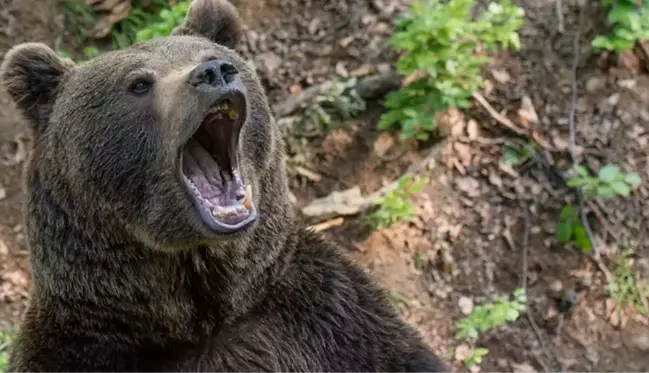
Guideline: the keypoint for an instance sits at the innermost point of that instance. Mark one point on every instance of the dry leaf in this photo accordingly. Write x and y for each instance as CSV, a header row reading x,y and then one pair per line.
x,y
473,129
527,114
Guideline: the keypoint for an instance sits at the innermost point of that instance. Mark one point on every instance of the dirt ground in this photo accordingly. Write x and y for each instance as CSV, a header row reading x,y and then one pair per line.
x,y
478,222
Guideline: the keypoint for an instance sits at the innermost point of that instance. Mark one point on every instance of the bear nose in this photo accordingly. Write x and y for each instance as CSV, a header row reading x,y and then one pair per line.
x,y
213,73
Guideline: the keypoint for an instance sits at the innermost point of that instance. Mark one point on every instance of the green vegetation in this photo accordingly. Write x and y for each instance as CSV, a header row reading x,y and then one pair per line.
x,y
516,154
476,357
6,338
157,19
396,205
488,316
629,22
571,229
626,289
168,20
337,103
609,182
443,50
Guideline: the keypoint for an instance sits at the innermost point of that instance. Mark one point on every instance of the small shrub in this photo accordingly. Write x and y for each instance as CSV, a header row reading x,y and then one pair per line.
x,y
168,19
571,229
396,205
6,338
629,21
443,50
608,183
476,357
626,289
516,154
491,315
337,103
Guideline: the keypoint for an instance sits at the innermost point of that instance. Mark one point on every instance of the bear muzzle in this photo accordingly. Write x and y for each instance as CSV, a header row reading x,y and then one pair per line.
x,y
209,164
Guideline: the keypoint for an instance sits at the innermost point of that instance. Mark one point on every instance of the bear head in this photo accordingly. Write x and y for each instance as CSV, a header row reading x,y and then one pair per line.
x,y
170,140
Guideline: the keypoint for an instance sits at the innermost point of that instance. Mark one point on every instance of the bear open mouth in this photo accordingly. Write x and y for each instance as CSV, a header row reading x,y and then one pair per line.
x,y
210,170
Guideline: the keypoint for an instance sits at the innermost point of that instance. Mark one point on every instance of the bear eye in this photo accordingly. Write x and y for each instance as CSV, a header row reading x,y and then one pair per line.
x,y
141,86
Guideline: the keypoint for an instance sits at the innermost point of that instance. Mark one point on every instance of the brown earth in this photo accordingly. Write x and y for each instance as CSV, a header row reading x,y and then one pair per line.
x,y
477,222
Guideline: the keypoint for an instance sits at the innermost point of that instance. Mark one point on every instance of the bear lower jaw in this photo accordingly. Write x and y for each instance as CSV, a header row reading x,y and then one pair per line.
x,y
223,203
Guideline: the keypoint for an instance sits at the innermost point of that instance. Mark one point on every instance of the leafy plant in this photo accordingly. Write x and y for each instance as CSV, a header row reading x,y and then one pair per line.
x,y
396,205
168,19
491,315
626,289
337,103
608,183
476,357
571,229
443,50
6,338
516,154
629,20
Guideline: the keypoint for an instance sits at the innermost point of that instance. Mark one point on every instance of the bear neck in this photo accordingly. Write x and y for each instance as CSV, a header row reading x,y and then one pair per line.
x,y
94,264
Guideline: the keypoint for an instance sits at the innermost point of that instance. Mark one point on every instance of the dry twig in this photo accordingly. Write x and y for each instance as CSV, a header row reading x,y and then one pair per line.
x,y
327,224
497,116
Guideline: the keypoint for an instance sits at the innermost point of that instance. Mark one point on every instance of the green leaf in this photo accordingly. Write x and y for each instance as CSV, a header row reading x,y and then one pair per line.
x,y
632,179
621,188
564,231
604,191
567,212
581,239
608,173
511,156
582,171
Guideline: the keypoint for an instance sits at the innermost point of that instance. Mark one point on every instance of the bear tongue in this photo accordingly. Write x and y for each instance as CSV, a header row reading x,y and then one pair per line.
x,y
203,171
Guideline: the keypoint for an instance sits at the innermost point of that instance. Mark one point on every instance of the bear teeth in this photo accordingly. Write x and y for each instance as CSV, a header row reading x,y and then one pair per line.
x,y
244,207
225,108
247,200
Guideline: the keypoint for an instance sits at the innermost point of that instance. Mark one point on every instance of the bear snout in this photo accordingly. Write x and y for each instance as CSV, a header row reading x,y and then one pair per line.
x,y
213,74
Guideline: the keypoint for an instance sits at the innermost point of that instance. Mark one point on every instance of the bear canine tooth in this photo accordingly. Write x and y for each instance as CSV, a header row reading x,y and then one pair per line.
x,y
233,114
247,200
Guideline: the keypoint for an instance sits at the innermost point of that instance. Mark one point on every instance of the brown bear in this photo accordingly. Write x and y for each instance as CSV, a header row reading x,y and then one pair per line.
x,y
160,231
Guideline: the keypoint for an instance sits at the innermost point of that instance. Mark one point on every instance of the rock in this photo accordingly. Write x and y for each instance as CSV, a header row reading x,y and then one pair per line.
x,y
473,129
466,305
568,300
556,286
269,61
462,352
4,250
595,84
638,339
523,367
383,143
501,76
3,193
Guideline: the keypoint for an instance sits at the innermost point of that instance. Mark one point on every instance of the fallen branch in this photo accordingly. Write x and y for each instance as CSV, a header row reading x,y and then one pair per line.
x,y
351,202
369,88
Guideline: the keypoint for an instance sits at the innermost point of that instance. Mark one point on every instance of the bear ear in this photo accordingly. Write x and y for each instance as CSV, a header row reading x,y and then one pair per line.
x,y
217,20
31,73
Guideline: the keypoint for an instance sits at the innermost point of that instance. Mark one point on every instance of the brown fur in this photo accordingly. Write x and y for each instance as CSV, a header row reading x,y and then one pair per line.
x,y
127,277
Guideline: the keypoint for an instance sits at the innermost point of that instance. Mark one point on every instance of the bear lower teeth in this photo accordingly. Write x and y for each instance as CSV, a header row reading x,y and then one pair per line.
x,y
244,207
